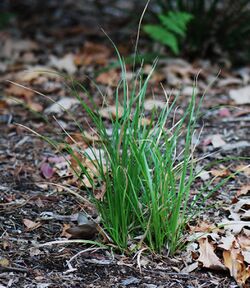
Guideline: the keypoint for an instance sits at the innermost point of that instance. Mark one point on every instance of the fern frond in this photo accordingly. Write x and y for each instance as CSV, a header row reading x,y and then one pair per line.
x,y
161,35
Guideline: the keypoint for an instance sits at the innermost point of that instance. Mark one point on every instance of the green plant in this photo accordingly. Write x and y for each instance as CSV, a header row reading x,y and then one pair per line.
x,y
147,179
173,25
217,28
143,171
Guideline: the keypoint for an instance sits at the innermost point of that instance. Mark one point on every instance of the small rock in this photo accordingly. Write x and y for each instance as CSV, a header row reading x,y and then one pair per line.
x,y
145,285
240,96
130,280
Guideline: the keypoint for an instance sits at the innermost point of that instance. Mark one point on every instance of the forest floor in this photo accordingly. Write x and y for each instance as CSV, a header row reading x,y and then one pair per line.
x,y
35,205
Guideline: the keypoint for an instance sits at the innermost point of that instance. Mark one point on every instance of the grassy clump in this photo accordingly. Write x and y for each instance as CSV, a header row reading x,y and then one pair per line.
x,y
147,183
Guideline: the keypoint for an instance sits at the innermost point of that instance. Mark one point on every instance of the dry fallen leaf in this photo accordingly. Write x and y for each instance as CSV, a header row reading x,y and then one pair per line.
x,y
17,91
23,96
229,81
245,169
93,54
90,137
110,78
240,210
31,225
246,255
150,104
204,175
189,91
76,158
243,190
100,192
145,121
244,241
94,154
220,172
90,160
227,242
179,71
35,72
234,226
217,141
64,231
28,76
111,112
85,181
62,105
241,96
242,205
92,167
190,268
64,64
244,74
234,261
82,138
203,227
62,169
246,215
207,256
13,47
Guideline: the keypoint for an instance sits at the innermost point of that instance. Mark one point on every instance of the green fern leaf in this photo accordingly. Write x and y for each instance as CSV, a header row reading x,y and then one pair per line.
x,y
172,25
181,19
176,22
163,36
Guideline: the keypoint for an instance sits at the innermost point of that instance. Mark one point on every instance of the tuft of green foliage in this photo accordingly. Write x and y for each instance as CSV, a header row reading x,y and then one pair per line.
x,y
217,28
147,185
173,26
146,177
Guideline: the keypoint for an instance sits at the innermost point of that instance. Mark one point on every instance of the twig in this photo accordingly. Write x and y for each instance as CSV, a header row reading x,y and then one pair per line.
x,y
236,119
179,274
14,269
70,242
81,252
